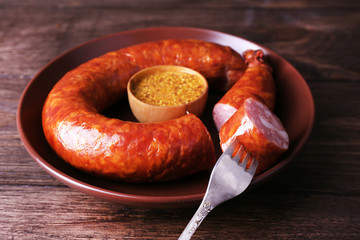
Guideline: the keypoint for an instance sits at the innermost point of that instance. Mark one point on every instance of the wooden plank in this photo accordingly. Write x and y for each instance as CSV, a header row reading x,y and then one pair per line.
x,y
62,213
316,197
204,4
303,36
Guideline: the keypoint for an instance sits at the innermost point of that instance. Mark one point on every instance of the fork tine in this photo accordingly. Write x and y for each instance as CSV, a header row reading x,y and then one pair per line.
x,y
245,160
239,152
231,148
253,166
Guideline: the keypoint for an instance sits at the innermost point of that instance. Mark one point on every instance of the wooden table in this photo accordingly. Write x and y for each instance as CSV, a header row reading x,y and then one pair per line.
x,y
316,197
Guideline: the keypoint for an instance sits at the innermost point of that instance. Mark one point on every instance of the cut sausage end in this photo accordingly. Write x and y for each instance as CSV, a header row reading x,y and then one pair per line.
x,y
258,117
258,130
221,113
267,123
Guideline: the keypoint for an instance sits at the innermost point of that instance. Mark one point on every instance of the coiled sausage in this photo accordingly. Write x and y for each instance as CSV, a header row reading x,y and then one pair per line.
x,y
134,152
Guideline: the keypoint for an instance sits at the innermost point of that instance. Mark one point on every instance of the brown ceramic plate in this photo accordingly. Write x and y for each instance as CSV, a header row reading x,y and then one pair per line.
x,y
295,107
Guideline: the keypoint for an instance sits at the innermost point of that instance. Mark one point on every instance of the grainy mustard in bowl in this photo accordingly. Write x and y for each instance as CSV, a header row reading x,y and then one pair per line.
x,y
166,92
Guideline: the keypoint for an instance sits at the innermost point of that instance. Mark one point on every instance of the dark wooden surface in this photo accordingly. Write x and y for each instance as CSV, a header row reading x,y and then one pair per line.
x,y
316,197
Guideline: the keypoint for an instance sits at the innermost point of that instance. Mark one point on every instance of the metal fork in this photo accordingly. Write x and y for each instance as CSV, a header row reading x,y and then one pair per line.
x,y
229,177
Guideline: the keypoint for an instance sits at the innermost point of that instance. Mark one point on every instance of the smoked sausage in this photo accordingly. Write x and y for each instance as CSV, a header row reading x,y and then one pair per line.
x,y
129,151
258,130
256,82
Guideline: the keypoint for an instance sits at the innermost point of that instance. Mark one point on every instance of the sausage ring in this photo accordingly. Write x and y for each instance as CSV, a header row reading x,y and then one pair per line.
x,y
129,151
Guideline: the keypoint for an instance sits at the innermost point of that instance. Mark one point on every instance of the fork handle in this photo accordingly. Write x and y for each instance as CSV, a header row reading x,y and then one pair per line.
x,y
203,210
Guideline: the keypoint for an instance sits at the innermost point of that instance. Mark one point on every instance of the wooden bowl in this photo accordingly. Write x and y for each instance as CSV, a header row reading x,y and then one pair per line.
x,y
145,112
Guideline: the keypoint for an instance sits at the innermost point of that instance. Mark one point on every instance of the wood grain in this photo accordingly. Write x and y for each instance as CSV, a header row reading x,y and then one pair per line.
x,y
316,197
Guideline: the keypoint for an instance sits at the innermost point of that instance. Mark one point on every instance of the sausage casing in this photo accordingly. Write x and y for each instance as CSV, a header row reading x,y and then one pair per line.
x,y
134,152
